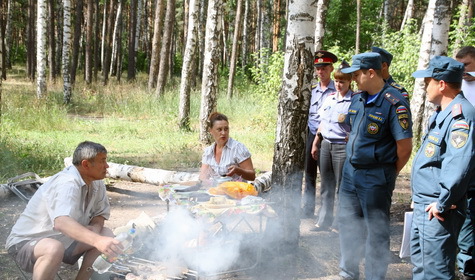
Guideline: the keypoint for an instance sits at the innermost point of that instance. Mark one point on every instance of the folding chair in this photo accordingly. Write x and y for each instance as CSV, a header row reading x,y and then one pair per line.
x,y
24,185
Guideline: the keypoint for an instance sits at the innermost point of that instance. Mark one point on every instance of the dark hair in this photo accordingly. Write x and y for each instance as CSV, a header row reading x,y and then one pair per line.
x,y
214,117
87,150
378,72
467,50
340,75
452,85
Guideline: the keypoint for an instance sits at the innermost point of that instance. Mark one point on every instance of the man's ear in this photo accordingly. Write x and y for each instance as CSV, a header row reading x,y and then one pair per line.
x,y
85,163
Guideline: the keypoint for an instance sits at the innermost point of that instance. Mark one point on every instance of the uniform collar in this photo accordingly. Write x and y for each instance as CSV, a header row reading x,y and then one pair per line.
x,y
447,111
379,98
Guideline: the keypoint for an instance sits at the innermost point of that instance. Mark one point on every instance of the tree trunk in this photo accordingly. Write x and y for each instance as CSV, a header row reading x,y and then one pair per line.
x,y
119,56
265,25
97,30
258,28
145,175
462,26
52,42
165,50
1,70
41,48
358,26
89,41
209,84
188,61
408,15
138,21
31,53
201,36
276,26
66,46
245,35
108,42
8,35
77,37
132,37
434,42
235,48
104,29
294,101
186,12
116,39
59,42
322,7
156,42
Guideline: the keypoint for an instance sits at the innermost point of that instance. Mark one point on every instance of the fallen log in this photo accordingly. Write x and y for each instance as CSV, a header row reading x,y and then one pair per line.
x,y
146,175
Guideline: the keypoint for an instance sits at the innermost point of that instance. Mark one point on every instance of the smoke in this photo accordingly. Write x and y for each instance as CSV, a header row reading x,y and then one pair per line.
x,y
201,245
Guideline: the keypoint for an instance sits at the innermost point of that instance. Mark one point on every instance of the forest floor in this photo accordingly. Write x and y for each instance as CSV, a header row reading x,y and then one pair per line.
x,y
317,257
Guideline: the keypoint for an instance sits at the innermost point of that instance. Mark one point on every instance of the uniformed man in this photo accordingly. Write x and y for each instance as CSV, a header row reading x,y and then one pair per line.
x,y
323,68
379,146
466,242
442,171
386,58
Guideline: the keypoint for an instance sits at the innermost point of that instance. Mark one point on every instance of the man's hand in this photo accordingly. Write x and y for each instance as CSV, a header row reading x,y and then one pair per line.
x,y
433,212
109,246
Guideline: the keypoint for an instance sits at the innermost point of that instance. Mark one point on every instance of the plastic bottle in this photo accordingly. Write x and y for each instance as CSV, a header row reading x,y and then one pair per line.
x,y
103,263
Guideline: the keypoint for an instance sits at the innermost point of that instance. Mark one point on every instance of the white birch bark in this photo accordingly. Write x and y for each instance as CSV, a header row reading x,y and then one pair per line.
x,y
41,48
245,34
145,175
188,61
409,14
234,50
322,6
294,100
66,60
115,39
104,25
434,42
209,86
138,25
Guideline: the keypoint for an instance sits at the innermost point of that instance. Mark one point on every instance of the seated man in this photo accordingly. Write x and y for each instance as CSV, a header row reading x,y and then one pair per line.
x,y
65,219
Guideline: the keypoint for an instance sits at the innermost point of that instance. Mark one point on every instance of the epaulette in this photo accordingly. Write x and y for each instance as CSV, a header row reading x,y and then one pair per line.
x,y
456,110
332,93
391,98
355,93
314,84
397,86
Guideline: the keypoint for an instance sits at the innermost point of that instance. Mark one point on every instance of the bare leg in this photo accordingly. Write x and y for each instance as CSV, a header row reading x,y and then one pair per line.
x,y
49,254
89,257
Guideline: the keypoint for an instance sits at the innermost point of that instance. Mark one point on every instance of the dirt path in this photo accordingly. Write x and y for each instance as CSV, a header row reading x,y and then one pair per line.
x,y
317,257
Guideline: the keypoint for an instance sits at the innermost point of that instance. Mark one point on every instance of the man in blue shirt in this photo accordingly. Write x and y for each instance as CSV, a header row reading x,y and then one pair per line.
x,y
379,146
442,172
323,69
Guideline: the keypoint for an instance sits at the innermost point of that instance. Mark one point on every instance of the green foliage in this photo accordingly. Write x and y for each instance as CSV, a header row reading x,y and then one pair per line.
x,y
467,37
267,74
136,126
404,46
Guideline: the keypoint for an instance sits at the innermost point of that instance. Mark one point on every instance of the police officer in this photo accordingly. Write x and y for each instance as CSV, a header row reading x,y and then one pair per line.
x,y
323,68
466,240
379,146
442,172
386,58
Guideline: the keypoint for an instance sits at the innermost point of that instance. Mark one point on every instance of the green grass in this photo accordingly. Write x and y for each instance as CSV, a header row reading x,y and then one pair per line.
x,y
134,125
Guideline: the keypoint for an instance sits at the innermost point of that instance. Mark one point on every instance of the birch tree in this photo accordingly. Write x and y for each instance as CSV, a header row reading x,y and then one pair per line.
x,y
51,41
209,85
66,46
245,34
41,48
31,39
188,63
358,26
463,24
434,42
132,37
116,40
294,101
408,15
8,34
156,40
89,41
322,7
78,20
165,50
234,51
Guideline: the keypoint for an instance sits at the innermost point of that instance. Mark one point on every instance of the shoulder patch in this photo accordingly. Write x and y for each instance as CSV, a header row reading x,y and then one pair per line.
x,y
355,93
460,125
401,110
391,98
456,110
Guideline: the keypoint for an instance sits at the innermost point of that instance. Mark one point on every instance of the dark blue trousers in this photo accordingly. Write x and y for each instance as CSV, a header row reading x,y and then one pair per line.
x,y
365,200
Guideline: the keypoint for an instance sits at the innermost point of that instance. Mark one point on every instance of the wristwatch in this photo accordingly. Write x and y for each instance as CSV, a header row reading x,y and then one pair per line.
x,y
440,208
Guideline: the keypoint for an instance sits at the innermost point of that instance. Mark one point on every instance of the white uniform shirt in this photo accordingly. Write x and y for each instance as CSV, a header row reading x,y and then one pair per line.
x,y
64,194
468,89
234,152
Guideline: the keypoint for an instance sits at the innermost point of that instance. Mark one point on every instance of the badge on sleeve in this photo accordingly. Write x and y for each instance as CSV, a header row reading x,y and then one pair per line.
x,y
403,116
373,128
459,134
429,150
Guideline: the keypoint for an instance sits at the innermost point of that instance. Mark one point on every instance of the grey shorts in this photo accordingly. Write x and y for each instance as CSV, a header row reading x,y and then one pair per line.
x,y
23,253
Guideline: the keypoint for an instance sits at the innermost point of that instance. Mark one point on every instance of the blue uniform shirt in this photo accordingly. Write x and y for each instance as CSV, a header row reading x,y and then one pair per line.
x,y
316,101
333,114
444,166
390,81
376,126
